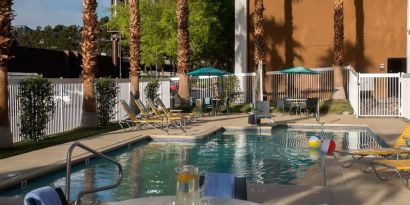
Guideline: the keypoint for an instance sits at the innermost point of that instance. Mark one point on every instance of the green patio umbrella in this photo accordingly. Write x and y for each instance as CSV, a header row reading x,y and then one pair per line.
x,y
208,71
299,70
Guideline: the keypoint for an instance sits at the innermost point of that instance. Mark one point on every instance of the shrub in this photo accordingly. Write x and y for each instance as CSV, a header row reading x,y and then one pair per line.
x,y
236,108
151,91
246,108
36,106
335,107
106,94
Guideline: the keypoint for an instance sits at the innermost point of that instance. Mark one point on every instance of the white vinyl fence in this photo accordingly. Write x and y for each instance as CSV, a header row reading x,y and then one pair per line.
x,y
281,85
300,85
68,95
204,86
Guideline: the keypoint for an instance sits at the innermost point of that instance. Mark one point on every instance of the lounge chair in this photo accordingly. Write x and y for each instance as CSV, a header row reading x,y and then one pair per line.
x,y
158,113
189,116
158,123
401,167
358,154
170,121
262,110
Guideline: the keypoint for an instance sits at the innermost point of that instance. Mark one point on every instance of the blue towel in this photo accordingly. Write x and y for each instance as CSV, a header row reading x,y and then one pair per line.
x,y
44,196
220,185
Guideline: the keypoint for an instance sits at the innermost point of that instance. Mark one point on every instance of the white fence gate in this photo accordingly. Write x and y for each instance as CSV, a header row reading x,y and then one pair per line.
x,y
68,95
377,94
405,95
352,87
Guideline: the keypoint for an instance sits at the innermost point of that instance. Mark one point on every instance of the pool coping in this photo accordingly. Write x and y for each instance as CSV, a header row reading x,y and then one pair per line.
x,y
38,172
26,176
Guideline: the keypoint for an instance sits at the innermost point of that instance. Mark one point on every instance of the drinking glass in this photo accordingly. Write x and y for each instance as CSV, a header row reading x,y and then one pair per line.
x,y
188,189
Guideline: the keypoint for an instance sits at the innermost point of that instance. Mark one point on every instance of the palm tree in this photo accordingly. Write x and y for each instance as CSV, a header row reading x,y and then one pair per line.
x,y
6,16
183,50
338,92
89,49
259,32
135,54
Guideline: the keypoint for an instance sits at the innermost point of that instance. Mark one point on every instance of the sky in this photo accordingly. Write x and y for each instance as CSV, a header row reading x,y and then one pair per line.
x,y
33,13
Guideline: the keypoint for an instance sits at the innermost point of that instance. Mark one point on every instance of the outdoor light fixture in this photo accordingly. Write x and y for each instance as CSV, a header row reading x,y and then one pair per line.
x,y
381,67
116,50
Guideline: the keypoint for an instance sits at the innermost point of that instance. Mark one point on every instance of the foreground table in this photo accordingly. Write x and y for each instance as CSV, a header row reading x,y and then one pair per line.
x,y
170,200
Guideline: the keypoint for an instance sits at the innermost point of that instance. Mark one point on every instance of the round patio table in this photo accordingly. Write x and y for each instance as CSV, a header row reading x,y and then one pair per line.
x,y
170,200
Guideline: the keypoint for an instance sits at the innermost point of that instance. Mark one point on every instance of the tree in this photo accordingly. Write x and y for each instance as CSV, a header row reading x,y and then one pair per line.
x,y
89,48
210,29
6,16
135,55
183,50
338,89
60,37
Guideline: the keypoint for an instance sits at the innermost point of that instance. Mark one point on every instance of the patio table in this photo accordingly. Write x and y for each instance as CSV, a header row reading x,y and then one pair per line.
x,y
297,102
170,200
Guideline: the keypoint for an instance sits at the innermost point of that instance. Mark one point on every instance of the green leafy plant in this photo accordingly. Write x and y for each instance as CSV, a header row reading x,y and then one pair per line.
x,y
246,108
151,91
106,93
36,106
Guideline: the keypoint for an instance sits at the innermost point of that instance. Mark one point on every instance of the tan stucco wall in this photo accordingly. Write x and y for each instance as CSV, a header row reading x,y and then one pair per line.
x,y
383,36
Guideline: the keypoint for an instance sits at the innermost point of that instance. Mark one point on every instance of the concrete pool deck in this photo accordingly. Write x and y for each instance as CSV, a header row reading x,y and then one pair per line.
x,y
345,186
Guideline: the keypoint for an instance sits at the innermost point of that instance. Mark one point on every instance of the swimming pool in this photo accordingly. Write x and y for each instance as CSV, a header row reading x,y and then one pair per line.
x,y
280,156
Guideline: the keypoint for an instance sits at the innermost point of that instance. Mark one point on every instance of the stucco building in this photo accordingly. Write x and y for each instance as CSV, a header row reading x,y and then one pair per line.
x,y
300,32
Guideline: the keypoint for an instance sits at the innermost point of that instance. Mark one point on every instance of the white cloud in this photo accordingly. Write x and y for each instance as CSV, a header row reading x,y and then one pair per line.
x,y
35,13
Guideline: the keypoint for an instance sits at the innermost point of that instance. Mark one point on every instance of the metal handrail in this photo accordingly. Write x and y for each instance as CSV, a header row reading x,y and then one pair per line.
x,y
68,177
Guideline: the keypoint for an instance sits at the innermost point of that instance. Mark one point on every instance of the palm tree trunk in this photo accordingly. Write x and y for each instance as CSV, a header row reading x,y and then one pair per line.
x,y
6,16
135,54
183,50
338,89
89,49
259,33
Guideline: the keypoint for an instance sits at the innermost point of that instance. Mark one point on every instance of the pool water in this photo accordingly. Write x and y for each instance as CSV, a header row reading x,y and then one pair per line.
x,y
277,157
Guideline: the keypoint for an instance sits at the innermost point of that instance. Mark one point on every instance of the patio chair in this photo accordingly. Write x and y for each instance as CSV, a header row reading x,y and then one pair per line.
x,y
228,104
289,104
401,167
207,104
311,105
358,154
262,110
158,123
192,116
280,104
175,122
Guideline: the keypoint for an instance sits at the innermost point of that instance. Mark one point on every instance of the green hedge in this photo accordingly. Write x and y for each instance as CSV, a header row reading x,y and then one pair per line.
x,y
106,94
36,96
